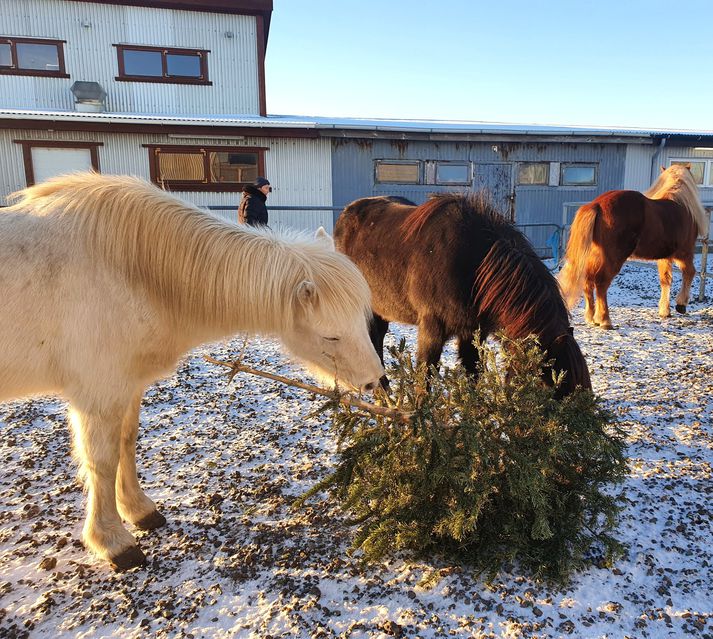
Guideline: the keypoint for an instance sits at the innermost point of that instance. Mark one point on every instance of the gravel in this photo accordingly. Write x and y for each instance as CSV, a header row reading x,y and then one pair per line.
x,y
226,462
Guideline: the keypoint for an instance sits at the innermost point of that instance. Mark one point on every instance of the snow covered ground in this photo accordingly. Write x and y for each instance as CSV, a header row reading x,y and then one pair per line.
x,y
225,462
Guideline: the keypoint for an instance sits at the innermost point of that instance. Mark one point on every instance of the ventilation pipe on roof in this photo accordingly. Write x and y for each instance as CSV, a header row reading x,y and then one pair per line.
x,y
88,97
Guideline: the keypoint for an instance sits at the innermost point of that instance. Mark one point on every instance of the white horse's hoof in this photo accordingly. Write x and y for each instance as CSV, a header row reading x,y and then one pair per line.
x,y
132,557
151,521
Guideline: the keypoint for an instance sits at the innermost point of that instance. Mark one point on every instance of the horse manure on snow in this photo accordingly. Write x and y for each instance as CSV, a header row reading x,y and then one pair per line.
x,y
486,472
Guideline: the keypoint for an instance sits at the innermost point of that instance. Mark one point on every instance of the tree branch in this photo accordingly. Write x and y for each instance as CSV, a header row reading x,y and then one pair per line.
x,y
237,367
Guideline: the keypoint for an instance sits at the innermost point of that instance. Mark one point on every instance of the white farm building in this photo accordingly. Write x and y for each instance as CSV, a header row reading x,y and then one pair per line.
x,y
174,91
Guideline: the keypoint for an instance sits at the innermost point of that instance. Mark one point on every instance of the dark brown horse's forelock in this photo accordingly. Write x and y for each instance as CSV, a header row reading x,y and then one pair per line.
x,y
567,356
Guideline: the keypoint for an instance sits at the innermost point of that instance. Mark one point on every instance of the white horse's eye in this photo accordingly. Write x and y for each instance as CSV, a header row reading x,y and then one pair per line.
x,y
331,339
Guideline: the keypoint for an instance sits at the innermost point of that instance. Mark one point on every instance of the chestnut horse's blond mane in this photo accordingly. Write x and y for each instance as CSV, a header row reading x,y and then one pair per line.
x,y
187,259
676,183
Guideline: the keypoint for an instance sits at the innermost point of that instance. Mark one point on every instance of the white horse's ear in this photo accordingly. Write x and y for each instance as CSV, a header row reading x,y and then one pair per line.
x,y
663,168
325,238
306,294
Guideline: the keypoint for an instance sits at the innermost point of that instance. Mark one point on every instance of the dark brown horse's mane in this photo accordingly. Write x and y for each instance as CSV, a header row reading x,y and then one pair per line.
x,y
512,286
468,203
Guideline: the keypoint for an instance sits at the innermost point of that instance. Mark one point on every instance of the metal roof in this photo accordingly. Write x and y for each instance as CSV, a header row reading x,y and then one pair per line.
x,y
327,123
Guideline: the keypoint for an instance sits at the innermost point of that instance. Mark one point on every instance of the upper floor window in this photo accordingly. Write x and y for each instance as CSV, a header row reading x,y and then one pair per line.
x,y
533,173
578,175
200,168
32,56
162,64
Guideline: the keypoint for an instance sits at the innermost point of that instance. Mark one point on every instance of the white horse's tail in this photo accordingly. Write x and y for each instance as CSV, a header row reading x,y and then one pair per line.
x,y
571,277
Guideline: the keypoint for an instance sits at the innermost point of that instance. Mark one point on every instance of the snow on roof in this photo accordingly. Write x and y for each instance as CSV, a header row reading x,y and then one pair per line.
x,y
326,123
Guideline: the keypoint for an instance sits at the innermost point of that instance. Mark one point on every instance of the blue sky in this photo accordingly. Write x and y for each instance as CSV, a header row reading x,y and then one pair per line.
x,y
646,63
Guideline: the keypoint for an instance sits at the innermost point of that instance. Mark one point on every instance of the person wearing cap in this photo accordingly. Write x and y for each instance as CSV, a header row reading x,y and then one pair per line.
x,y
252,209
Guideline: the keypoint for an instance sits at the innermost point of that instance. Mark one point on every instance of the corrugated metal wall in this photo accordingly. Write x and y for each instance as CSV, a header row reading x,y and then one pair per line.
x,y
353,172
90,29
637,166
299,170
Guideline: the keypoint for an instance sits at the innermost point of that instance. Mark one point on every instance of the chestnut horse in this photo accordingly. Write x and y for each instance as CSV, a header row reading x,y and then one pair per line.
x,y
107,281
661,224
454,266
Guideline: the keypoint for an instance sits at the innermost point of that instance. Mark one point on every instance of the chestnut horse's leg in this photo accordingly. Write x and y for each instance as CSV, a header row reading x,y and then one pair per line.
x,y
431,338
132,503
588,300
688,270
601,306
97,436
665,277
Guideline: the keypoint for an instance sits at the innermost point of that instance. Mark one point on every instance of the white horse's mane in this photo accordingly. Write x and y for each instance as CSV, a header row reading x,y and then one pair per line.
x,y
187,259
676,183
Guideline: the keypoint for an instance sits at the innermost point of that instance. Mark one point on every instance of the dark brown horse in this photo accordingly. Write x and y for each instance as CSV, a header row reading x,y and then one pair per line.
x,y
661,224
454,266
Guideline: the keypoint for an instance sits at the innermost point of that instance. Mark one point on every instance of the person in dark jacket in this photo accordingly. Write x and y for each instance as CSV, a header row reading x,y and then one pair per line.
x,y
252,209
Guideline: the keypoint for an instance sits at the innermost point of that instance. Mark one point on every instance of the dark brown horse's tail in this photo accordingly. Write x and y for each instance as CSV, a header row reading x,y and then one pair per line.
x,y
571,277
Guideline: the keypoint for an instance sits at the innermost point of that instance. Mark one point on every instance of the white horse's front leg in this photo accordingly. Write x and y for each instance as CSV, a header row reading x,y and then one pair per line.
x,y
97,436
132,503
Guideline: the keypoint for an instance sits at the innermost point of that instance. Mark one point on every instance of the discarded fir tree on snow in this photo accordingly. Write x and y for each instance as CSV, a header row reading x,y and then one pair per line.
x,y
484,472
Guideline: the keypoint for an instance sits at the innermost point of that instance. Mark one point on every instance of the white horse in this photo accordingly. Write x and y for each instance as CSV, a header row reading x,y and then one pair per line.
x,y
106,281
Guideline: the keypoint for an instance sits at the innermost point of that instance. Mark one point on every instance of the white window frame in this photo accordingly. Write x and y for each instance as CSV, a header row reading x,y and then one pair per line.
x,y
548,178
377,163
565,165
464,163
707,169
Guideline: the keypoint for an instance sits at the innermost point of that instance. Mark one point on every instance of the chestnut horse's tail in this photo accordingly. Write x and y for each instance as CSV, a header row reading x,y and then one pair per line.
x,y
571,277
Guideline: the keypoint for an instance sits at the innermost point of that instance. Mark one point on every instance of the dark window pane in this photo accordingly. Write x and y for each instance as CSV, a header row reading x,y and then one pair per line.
x,y
233,167
186,167
578,175
184,66
452,173
41,57
5,55
147,63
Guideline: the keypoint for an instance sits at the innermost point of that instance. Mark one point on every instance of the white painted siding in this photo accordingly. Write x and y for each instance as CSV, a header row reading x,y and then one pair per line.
x,y
637,166
90,30
299,169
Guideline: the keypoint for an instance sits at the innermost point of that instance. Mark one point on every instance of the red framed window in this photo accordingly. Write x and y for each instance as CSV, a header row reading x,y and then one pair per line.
x,y
205,168
46,158
162,64
32,56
